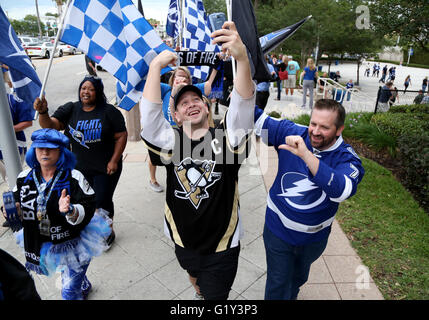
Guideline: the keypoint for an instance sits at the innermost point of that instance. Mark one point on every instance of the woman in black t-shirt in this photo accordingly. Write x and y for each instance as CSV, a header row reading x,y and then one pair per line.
x,y
98,137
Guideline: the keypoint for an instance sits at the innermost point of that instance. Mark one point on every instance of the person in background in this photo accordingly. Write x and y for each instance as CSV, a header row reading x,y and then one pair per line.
x,y
394,97
276,64
22,119
349,87
385,95
407,82
418,99
98,136
425,84
263,89
309,75
292,69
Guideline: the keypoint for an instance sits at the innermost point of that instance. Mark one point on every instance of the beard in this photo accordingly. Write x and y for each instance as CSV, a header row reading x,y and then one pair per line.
x,y
322,142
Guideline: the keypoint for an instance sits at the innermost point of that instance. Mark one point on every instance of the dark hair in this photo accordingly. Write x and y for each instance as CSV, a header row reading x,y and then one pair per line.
x,y
100,97
330,104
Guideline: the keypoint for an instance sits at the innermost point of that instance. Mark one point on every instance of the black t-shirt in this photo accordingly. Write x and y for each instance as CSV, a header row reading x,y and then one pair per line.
x,y
91,134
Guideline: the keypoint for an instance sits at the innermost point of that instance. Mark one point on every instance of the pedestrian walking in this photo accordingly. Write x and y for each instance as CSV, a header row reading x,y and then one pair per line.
x,y
308,75
60,231
202,209
317,171
383,74
425,84
407,82
98,136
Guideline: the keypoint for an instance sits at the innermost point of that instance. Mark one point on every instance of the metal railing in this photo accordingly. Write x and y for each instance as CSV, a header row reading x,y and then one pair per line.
x,y
352,99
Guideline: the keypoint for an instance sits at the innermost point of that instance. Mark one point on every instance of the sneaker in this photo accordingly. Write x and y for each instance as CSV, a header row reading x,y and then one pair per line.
x,y
86,288
198,296
156,186
6,224
110,239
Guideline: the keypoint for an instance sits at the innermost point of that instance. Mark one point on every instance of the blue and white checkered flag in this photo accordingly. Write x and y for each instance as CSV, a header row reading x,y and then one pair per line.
x,y
196,35
114,34
25,80
173,20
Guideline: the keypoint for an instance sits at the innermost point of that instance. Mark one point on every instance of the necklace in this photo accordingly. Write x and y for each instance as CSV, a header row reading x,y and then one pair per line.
x,y
42,201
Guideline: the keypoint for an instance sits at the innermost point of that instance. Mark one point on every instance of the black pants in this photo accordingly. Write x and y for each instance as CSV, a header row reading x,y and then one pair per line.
x,y
215,272
262,99
104,186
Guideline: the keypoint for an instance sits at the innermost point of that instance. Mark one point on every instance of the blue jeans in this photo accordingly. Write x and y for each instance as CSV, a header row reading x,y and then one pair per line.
x,y
288,266
72,283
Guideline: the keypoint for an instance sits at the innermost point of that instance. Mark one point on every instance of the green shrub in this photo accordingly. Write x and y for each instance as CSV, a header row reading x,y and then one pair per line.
x,y
399,124
303,119
412,108
414,157
275,114
371,135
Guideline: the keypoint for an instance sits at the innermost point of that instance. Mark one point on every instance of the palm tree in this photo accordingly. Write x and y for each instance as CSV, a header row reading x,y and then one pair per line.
x,y
59,6
38,18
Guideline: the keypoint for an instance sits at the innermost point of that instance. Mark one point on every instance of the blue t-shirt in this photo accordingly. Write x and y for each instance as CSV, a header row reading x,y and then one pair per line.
x,y
165,97
292,67
349,85
309,74
21,111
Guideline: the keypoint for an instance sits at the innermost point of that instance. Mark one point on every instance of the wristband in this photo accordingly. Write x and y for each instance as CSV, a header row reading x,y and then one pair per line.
x,y
45,112
71,209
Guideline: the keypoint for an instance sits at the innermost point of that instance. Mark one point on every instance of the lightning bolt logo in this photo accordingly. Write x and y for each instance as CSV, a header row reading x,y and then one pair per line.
x,y
301,186
299,192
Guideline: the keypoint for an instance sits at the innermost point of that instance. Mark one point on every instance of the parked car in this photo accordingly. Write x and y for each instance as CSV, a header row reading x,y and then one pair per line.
x,y
66,48
26,41
43,49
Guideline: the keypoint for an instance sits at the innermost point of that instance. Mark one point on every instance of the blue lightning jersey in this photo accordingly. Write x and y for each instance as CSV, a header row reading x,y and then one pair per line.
x,y
301,207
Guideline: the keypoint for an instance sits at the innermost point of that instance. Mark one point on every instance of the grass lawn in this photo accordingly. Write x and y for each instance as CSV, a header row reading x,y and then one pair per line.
x,y
390,232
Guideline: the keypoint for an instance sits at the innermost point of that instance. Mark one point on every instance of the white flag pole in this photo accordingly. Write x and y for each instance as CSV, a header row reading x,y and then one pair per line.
x,y
229,13
60,29
182,24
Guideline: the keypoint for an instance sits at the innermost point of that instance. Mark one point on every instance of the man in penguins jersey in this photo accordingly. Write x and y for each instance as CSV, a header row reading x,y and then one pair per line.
x,y
316,171
202,214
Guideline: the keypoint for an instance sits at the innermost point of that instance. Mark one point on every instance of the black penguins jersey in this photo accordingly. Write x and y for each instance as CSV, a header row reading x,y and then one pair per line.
x,y
202,198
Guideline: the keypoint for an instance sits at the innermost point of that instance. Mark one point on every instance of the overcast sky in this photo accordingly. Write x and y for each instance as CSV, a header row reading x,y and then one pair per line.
x,y
18,9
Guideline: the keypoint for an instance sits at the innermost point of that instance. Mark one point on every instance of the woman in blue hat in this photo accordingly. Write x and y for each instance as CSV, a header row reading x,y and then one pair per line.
x,y
98,137
56,203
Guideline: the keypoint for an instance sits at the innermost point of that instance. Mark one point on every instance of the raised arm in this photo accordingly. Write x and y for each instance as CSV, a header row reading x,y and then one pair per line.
x,y
239,118
155,129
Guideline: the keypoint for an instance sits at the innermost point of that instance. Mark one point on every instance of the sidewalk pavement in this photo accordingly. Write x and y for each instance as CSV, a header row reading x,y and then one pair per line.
x,y
142,265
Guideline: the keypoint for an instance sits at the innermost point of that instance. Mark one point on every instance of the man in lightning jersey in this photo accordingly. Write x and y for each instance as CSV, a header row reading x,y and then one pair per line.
x,y
317,170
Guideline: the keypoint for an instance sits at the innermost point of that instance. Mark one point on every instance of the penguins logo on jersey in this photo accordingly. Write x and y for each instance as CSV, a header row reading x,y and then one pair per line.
x,y
195,176
299,192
